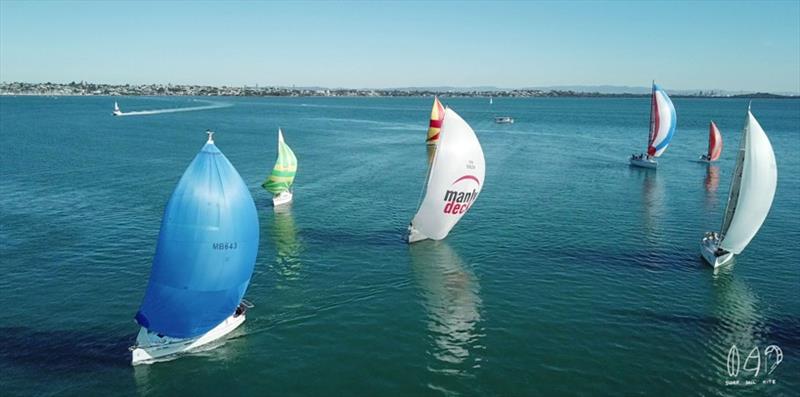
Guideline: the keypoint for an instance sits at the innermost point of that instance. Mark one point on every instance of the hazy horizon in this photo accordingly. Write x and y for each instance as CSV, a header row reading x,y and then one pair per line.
x,y
736,47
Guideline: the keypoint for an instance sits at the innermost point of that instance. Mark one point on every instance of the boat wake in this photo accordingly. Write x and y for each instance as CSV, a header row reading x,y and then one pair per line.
x,y
213,105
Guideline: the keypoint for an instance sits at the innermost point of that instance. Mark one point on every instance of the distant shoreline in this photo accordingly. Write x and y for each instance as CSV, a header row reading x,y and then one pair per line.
x,y
91,89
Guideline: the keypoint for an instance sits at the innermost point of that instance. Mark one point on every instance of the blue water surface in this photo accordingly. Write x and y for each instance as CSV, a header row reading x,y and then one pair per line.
x,y
572,274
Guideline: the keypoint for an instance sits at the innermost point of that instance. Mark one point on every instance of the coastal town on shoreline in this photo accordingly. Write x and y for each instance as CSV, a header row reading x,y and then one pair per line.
x,y
89,89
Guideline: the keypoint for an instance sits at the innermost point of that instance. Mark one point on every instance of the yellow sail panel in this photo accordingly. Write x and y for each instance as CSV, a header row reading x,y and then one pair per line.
x,y
437,115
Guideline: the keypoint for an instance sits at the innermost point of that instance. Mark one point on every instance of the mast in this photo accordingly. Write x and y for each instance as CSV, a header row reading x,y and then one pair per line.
x,y
653,110
736,180
432,155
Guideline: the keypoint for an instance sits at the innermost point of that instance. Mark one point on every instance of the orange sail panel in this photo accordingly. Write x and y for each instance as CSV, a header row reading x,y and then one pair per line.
x,y
437,115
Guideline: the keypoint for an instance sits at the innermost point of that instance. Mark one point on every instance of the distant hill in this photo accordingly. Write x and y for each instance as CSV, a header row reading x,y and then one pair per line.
x,y
600,89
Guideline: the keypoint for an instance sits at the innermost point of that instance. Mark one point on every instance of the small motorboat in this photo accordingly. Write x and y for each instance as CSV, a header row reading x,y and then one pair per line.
x,y
504,120
116,111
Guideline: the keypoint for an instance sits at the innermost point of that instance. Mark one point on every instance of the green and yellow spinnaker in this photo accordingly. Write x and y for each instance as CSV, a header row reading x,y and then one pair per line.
x,y
282,175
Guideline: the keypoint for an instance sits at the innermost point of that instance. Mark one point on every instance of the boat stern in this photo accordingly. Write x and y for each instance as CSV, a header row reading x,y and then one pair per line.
x,y
138,354
282,198
644,163
415,235
709,250
151,348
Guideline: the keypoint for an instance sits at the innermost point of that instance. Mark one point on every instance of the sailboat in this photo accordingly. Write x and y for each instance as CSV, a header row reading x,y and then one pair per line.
x,y
662,127
279,182
714,144
204,259
455,179
490,100
116,111
755,177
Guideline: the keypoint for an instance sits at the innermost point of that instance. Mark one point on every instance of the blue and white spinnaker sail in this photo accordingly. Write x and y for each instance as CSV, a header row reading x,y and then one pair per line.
x,y
206,250
662,122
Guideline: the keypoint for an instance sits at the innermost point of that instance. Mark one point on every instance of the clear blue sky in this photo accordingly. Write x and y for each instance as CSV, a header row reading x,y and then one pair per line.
x,y
682,45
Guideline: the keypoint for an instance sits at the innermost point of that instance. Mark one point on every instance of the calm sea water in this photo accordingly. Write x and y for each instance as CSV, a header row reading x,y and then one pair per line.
x,y
573,274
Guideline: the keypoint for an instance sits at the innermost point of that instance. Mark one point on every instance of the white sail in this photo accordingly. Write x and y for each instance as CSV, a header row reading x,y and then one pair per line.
x,y
454,181
753,188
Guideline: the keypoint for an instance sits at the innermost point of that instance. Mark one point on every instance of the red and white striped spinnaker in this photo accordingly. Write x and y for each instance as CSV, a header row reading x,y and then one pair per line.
x,y
662,122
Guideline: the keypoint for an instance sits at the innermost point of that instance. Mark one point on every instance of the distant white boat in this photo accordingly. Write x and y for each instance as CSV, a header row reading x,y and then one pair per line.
x,y
490,100
662,127
714,144
504,120
454,180
755,177
116,111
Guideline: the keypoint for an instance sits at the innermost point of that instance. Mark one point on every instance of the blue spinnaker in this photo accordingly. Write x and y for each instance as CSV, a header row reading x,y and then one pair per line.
x,y
206,250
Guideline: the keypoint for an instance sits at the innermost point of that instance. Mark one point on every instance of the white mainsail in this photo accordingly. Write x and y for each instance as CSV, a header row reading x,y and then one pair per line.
x,y
752,189
454,181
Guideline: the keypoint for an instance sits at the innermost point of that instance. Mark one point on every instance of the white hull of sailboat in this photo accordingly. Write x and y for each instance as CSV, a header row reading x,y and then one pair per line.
x,y
415,235
282,198
703,159
150,348
708,249
644,163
